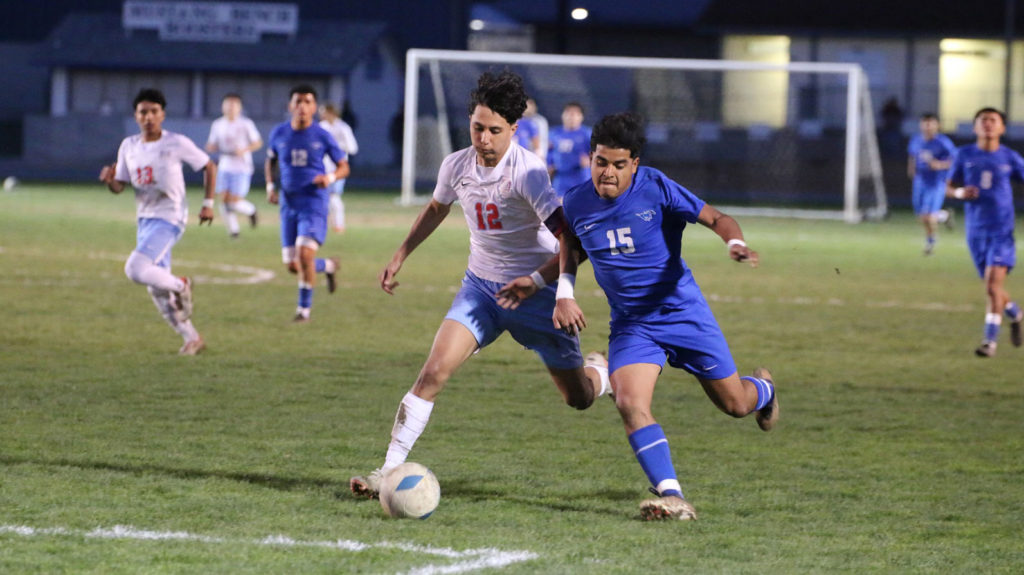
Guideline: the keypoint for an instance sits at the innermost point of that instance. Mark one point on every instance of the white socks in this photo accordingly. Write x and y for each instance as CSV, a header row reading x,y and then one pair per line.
x,y
162,299
410,421
338,210
141,269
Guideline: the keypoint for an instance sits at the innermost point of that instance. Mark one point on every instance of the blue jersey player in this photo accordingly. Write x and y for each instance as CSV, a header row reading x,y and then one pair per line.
x,y
568,150
629,221
929,156
981,176
298,147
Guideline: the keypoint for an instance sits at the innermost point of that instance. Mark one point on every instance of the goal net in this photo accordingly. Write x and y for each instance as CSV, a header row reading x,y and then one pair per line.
x,y
790,140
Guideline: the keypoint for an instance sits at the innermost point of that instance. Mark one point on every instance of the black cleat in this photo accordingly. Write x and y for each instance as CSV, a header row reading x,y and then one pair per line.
x,y
332,283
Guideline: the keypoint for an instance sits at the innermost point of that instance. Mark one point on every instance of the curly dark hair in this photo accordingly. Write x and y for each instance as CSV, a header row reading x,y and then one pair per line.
x,y
150,95
990,110
504,94
624,131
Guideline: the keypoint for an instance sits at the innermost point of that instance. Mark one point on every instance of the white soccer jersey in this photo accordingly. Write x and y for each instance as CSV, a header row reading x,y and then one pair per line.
x,y
342,134
505,208
231,135
154,170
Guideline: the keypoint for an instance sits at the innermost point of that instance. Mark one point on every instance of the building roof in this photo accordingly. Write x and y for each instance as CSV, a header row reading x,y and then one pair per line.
x,y
85,40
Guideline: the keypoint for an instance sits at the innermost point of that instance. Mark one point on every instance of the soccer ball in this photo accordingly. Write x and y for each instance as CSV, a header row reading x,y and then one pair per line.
x,y
10,182
410,490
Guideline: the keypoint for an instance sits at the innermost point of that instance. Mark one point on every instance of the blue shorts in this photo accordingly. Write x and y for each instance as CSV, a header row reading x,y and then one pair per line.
x,y
928,198
689,339
308,223
155,238
476,307
235,183
337,187
992,251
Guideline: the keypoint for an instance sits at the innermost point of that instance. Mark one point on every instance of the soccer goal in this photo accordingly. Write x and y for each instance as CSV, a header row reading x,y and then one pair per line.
x,y
790,140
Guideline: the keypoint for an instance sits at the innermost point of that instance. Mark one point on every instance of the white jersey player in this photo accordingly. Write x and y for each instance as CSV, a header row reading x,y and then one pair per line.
x,y
346,140
511,211
151,163
235,138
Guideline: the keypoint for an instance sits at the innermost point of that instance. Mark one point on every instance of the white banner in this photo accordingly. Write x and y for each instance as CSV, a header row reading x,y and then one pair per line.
x,y
211,21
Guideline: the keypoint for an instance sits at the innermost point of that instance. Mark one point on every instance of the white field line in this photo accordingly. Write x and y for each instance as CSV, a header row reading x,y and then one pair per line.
x,y
251,275
465,561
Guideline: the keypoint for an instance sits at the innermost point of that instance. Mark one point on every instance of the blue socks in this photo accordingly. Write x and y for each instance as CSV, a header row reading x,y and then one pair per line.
x,y
305,296
765,391
651,449
321,265
1012,311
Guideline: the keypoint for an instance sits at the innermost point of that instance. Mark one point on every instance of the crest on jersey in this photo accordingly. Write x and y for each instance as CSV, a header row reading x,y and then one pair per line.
x,y
505,188
646,215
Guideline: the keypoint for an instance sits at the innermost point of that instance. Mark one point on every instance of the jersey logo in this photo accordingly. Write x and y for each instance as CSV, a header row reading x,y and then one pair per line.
x,y
646,215
316,145
505,189
588,226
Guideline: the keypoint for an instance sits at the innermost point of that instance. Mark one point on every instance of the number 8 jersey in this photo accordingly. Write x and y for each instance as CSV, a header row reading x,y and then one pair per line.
x,y
634,242
992,213
505,208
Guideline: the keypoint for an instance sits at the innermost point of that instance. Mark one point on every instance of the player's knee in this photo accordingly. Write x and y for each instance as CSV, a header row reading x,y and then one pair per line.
x,y
135,265
580,400
432,379
734,406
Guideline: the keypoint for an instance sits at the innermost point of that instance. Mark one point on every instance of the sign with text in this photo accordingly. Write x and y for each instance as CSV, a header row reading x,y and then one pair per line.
x,y
243,22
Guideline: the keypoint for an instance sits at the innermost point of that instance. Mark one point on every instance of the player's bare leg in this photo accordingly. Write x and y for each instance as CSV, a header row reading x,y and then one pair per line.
x,y
305,266
930,224
453,345
580,386
740,396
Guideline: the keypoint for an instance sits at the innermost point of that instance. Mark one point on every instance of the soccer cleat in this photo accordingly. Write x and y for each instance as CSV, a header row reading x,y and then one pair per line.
x,y
986,349
1015,335
367,486
332,283
183,301
768,415
253,220
192,347
950,222
929,248
300,318
670,507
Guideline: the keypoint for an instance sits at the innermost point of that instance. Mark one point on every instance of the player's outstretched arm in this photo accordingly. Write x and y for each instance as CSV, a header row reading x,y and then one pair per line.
x,y
108,178
730,232
567,315
269,167
961,192
210,187
432,215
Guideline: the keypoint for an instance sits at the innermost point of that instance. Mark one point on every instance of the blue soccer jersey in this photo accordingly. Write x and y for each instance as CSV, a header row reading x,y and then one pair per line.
x,y
300,155
992,213
564,151
526,131
923,151
634,242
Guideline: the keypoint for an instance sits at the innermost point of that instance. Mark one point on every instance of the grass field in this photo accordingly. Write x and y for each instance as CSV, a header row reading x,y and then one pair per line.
x,y
898,450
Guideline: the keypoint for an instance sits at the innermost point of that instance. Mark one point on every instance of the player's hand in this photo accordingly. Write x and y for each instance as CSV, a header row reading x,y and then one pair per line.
x,y
107,174
514,292
971,192
206,216
321,180
387,277
272,197
744,254
568,316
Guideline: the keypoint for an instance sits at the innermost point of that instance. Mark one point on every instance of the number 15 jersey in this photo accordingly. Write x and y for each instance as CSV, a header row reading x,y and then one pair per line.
x,y
505,208
634,243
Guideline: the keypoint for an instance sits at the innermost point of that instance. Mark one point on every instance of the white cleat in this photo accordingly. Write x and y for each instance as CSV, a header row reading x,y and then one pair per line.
x,y
192,347
670,507
368,485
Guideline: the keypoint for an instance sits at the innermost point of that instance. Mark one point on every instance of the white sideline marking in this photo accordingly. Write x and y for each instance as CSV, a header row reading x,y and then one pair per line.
x,y
466,561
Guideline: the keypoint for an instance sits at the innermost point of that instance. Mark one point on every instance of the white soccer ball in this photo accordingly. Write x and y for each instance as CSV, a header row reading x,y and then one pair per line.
x,y
10,182
410,490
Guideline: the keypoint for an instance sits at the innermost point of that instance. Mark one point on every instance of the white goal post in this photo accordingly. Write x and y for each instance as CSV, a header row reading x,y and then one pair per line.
x,y
860,186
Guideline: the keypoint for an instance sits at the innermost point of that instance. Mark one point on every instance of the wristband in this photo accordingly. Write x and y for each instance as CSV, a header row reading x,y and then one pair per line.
x,y
208,203
270,187
566,283
538,279
331,178
736,242
959,193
